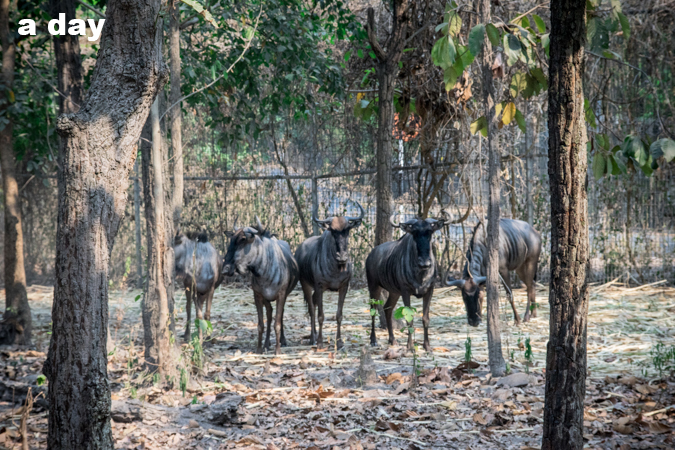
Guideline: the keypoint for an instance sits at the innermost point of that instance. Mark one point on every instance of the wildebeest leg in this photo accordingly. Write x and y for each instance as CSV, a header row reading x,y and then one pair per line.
x,y
338,316
375,292
406,302
426,306
261,321
308,293
279,322
268,307
188,306
283,335
209,300
389,314
381,312
509,294
526,275
199,303
318,301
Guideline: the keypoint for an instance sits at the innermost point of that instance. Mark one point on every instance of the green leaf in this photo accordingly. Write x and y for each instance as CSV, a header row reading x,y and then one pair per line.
x,y
602,140
546,42
625,26
590,114
633,147
41,379
518,84
347,55
454,23
520,120
449,78
512,48
541,26
138,297
479,124
442,27
199,9
619,165
493,34
476,37
647,167
443,53
599,165
539,75
663,148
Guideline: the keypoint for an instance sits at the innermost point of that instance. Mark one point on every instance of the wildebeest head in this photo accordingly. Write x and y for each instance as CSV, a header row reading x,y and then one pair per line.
x,y
472,296
239,253
339,227
421,232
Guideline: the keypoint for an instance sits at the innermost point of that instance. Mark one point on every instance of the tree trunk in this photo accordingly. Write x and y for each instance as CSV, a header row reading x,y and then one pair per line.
x,y
68,61
496,358
16,325
158,324
567,169
176,115
137,223
384,200
387,69
98,149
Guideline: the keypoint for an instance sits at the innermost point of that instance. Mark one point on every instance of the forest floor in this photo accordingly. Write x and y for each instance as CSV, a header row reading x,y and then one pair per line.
x,y
314,399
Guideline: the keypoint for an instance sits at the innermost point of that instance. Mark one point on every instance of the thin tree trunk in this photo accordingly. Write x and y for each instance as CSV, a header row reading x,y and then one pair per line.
x,y
176,114
387,69
496,358
16,326
567,169
98,148
158,299
137,223
68,60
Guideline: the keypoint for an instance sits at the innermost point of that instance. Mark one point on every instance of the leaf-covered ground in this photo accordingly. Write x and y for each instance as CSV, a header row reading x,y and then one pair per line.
x,y
316,399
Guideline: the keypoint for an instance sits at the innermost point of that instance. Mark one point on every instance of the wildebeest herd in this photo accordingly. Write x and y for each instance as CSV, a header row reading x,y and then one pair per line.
x,y
403,268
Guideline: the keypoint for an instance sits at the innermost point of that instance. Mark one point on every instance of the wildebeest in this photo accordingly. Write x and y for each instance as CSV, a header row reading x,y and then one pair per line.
x,y
199,265
403,268
274,275
324,265
519,249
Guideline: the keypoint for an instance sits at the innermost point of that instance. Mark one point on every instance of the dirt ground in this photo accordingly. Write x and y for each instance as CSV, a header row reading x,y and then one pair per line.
x,y
317,399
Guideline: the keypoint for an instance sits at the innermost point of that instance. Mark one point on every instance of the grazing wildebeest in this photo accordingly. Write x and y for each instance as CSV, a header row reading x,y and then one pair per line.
x,y
519,249
199,265
324,265
274,275
403,268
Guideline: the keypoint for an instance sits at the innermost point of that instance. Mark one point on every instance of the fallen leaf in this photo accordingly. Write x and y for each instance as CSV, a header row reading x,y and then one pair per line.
x,y
392,378
658,427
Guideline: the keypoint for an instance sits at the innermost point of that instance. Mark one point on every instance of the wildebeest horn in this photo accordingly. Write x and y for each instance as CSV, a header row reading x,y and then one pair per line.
x,y
363,213
451,282
393,222
317,220
259,225
445,217
480,280
234,224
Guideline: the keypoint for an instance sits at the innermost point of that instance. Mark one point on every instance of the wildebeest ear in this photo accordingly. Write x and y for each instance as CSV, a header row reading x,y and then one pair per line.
x,y
354,223
407,227
324,225
480,280
229,234
250,233
434,224
459,283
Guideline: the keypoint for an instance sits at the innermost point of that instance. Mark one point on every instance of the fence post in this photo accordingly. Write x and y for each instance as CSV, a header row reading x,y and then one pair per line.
x,y
315,205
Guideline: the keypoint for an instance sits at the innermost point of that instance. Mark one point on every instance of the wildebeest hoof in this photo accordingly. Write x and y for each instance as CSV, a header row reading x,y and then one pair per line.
x,y
526,318
340,344
373,343
284,343
427,347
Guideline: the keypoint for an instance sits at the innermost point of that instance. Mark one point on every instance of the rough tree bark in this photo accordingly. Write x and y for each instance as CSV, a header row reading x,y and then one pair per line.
x,y
386,68
98,146
158,301
16,325
176,113
495,355
567,170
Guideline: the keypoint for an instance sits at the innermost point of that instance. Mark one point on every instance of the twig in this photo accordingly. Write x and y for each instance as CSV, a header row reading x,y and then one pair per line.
x,y
91,8
645,285
658,411
248,44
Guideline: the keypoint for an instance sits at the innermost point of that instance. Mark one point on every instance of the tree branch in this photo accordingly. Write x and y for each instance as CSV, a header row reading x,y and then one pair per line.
x,y
91,8
372,36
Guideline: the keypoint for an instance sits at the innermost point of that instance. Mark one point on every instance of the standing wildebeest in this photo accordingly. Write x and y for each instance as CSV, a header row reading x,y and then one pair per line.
x,y
200,266
274,270
403,268
324,265
519,249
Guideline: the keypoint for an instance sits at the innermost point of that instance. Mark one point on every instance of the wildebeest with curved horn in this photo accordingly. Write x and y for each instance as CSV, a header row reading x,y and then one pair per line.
x,y
519,250
199,265
274,275
403,268
324,265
